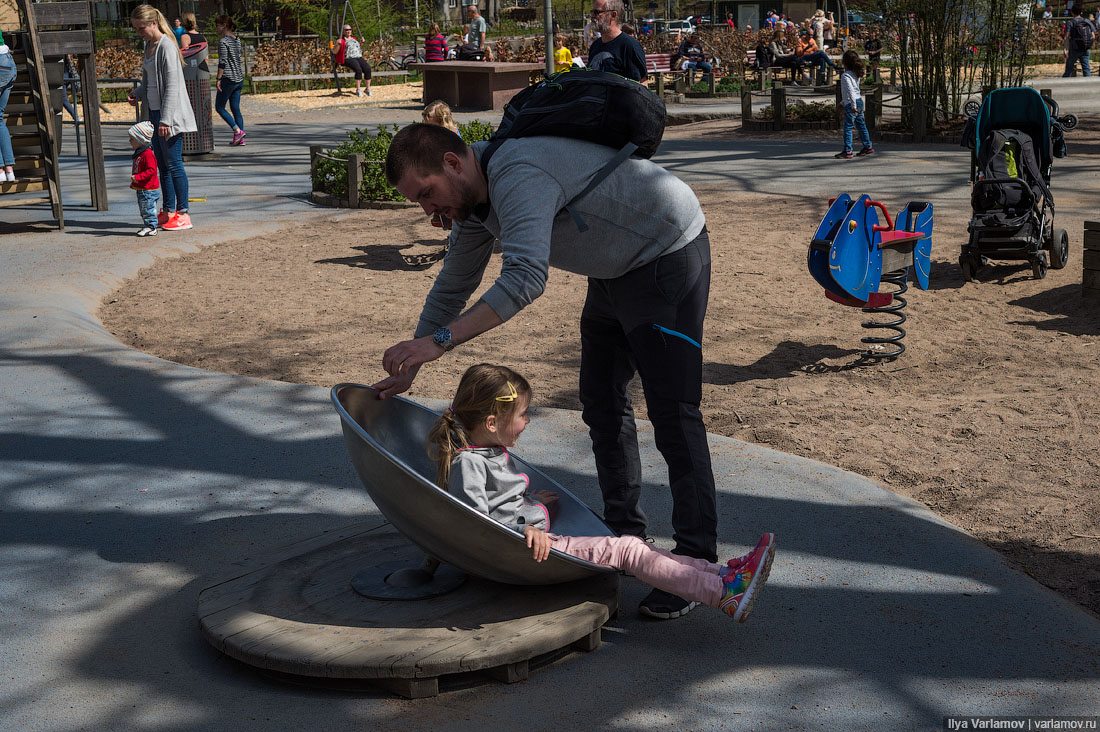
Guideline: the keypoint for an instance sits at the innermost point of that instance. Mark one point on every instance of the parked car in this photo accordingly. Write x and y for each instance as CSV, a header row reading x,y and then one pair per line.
x,y
863,17
677,27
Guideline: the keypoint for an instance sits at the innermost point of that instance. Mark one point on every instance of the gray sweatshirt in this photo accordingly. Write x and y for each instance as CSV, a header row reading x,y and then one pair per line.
x,y
175,105
483,477
638,213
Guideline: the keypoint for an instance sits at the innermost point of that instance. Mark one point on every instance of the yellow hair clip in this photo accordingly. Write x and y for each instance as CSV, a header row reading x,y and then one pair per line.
x,y
511,396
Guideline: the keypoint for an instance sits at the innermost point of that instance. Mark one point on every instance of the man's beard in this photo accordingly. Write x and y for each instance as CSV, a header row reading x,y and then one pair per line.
x,y
602,25
466,205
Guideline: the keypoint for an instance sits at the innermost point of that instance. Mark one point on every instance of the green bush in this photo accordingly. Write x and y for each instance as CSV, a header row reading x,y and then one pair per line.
x,y
331,176
812,112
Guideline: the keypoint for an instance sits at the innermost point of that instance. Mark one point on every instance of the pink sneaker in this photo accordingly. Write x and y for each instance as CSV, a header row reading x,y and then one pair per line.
x,y
179,222
238,138
766,541
743,587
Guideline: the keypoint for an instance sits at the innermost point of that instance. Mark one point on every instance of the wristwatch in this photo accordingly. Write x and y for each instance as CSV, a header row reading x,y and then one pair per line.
x,y
442,337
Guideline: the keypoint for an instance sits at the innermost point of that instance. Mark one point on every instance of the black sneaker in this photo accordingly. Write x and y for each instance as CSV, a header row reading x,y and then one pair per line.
x,y
664,605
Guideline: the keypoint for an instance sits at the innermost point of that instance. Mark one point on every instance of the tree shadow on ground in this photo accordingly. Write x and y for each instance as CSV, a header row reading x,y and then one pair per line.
x,y
1073,313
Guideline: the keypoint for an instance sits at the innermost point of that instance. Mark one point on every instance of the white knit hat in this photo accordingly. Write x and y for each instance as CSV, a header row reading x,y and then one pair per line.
x,y
142,132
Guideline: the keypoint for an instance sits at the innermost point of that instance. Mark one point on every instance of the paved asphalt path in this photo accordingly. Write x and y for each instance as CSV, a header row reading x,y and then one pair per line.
x,y
128,484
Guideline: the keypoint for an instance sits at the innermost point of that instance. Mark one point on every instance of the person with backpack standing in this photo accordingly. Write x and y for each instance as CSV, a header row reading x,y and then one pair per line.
x,y
648,267
1079,38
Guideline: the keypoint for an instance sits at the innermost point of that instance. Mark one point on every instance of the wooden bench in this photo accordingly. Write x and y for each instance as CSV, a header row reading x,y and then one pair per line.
x,y
474,84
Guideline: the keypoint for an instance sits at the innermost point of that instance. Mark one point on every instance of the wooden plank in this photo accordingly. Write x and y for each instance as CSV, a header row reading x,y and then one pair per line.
x,y
55,44
23,185
6,201
1091,278
1092,238
1092,226
1090,293
93,132
410,688
1091,259
71,13
41,87
511,673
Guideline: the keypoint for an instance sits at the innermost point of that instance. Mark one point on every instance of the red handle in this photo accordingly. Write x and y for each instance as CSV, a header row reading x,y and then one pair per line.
x,y
876,228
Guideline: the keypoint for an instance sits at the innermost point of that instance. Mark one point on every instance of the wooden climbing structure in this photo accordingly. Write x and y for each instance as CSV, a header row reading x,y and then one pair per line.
x,y
53,30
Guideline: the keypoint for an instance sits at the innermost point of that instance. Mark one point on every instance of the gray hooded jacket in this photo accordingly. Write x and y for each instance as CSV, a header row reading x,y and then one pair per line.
x,y
483,477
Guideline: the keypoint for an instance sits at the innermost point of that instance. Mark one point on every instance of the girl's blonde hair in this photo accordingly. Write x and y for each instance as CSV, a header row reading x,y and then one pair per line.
x,y
439,113
148,14
484,391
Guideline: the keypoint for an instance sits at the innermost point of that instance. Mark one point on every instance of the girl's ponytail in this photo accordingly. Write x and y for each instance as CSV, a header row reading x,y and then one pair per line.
x,y
444,440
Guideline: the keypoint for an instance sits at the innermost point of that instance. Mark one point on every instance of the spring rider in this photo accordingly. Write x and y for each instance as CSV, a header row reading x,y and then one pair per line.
x,y
851,254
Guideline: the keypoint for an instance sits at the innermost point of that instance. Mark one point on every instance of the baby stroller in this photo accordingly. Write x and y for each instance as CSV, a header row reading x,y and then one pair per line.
x,y
1013,137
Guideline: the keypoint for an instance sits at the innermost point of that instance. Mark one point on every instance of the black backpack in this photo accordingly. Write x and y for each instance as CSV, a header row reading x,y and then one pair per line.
x,y
1081,33
596,106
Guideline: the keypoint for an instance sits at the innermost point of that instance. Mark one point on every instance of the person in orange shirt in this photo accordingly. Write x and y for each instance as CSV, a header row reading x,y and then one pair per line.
x,y
808,53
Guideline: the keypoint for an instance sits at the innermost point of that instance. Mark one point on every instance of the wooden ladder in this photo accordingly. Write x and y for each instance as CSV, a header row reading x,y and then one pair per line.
x,y
31,126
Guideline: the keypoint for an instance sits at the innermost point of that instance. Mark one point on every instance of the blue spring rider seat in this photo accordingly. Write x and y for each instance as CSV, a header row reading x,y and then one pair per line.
x,y
851,254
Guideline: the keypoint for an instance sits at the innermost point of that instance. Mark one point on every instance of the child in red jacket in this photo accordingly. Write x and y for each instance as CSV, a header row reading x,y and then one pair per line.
x,y
143,178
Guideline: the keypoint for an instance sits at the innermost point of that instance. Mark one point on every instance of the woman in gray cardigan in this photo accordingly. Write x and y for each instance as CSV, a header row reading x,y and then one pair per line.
x,y
165,95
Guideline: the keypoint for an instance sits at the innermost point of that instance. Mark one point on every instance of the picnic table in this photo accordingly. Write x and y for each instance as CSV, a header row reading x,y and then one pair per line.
x,y
474,84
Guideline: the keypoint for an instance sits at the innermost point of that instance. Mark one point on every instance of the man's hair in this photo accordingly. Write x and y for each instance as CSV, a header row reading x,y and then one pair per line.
x,y
1075,10
421,147
474,8
619,9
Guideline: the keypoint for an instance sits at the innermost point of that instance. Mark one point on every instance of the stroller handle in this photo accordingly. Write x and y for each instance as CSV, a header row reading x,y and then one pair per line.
x,y
1052,104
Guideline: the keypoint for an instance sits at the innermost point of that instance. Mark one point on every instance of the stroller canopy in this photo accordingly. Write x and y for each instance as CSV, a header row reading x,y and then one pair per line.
x,y
1018,108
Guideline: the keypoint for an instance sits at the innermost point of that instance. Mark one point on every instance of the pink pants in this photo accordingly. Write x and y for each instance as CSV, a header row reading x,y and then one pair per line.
x,y
689,578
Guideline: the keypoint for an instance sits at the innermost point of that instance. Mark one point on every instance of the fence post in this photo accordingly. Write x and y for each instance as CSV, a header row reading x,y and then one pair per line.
x,y
779,106
746,104
355,178
314,151
713,83
893,76
875,116
919,128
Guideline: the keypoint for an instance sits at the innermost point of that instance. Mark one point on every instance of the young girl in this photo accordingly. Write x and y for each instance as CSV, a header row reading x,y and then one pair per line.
x,y
163,90
230,77
852,99
470,442
7,81
439,113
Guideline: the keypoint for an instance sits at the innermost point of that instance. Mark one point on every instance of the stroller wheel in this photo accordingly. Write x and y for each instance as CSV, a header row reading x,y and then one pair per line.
x,y
1069,122
1059,249
1039,265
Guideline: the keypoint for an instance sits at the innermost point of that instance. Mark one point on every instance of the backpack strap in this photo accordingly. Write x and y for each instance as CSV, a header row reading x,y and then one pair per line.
x,y
620,157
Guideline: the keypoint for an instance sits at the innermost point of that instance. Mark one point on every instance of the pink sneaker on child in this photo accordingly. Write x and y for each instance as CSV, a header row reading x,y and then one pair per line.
x,y
744,585
767,540
238,138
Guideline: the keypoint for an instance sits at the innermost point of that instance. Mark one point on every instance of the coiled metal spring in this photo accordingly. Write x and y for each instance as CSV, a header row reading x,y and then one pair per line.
x,y
888,346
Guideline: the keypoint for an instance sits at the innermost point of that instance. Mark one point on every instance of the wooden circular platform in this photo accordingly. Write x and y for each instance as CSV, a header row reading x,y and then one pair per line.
x,y
299,615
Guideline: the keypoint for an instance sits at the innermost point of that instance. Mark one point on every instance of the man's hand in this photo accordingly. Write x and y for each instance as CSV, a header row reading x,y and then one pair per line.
x,y
403,361
538,542
132,100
